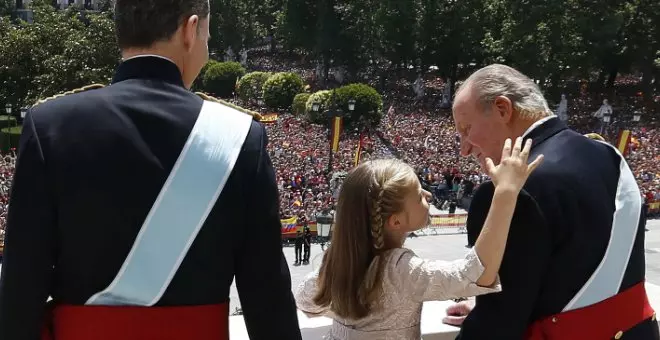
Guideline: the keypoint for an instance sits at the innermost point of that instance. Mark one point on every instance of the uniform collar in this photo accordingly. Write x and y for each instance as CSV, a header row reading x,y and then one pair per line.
x,y
545,129
148,67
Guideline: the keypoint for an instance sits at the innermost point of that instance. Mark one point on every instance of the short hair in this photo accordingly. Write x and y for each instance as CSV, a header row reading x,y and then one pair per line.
x,y
141,23
501,80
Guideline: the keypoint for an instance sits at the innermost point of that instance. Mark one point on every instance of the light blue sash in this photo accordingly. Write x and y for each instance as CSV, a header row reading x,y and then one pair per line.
x,y
605,281
185,201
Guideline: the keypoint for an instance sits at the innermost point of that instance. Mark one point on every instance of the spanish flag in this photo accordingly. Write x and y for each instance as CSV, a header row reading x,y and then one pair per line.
x,y
336,133
623,141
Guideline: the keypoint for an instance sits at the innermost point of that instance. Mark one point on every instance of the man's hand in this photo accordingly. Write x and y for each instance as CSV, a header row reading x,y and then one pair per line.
x,y
457,313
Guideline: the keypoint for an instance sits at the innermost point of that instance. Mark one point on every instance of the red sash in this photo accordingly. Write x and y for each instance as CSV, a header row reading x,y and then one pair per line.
x,y
208,322
604,320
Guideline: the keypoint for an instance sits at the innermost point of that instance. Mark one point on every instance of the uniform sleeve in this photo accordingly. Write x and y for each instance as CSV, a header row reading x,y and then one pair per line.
x,y
29,244
263,280
506,315
305,293
425,280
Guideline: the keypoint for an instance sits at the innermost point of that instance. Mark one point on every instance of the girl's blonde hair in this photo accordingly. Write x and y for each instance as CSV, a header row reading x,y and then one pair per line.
x,y
350,274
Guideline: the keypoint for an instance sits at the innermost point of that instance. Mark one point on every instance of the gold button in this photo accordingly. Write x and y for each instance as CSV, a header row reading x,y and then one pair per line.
x,y
554,320
618,335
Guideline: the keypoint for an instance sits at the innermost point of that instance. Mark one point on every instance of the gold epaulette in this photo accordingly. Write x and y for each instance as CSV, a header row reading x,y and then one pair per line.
x,y
256,115
82,89
595,136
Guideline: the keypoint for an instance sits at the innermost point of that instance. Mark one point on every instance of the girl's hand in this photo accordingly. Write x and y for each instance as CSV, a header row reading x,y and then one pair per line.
x,y
513,170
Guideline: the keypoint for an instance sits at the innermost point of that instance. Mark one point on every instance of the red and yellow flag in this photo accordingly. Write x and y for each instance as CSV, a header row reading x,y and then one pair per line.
x,y
623,141
336,133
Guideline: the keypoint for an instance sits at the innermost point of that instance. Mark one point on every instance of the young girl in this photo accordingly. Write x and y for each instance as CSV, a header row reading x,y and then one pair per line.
x,y
371,286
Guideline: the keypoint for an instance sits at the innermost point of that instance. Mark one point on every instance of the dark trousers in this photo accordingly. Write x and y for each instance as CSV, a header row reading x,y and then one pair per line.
x,y
299,257
306,258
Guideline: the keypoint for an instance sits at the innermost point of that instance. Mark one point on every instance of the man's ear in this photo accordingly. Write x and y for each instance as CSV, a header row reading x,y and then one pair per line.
x,y
504,108
190,32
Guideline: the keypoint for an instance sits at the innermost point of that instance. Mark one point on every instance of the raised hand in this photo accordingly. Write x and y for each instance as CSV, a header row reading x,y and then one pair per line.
x,y
513,170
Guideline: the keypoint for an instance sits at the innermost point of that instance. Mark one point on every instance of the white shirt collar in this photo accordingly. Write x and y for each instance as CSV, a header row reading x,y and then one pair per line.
x,y
149,55
537,124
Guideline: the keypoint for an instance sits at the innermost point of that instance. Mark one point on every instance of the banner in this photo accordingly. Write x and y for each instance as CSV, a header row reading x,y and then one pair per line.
x,y
623,141
336,133
291,229
289,225
269,118
448,221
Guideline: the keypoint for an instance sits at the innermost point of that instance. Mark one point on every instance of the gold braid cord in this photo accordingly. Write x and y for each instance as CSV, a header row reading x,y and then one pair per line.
x,y
256,115
595,136
82,89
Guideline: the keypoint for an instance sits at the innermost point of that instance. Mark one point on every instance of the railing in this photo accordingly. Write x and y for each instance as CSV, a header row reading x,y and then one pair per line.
x,y
432,326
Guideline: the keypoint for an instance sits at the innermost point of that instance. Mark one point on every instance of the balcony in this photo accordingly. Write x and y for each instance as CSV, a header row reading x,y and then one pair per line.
x,y
432,327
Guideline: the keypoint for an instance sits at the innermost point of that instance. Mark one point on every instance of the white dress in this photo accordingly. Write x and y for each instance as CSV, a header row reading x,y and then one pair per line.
x,y
408,281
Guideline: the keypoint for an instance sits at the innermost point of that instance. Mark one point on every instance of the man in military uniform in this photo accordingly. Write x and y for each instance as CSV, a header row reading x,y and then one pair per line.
x,y
307,245
133,205
574,266
298,248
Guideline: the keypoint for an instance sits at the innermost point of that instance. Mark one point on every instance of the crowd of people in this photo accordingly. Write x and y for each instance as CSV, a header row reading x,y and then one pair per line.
x,y
425,139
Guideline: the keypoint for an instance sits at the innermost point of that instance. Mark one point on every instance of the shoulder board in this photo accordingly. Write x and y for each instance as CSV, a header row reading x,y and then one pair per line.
x,y
595,136
256,115
82,89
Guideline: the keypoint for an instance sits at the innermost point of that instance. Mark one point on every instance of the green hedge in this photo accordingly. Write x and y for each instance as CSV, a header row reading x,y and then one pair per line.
x,y
7,121
198,85
323,99
280,89
220,78
368,102
300,103
250,87
9,138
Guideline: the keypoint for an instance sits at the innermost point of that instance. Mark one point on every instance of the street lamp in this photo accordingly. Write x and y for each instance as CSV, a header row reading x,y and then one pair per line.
x,y
606,121
8,109
23,113
637,116
315,107
351,105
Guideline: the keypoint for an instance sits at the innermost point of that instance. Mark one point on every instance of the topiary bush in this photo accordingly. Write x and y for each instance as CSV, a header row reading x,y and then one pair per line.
x,y
198,85
300,103
368,102
250,87
280,89
9,138
323,99
220,78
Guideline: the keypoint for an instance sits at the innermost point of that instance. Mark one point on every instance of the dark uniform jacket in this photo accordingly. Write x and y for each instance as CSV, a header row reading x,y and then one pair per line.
x,y
560,231
90,167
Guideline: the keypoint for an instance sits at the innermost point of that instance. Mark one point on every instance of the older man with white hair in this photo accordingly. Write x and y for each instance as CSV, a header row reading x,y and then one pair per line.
x,y
574,267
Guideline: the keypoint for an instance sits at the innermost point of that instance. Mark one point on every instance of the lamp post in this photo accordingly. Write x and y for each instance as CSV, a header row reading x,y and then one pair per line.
x,y
607,117
23,113
8,111
332,114
637,116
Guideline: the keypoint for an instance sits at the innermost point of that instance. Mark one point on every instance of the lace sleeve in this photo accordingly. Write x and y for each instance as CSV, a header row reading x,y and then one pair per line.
x,y
305,293
426,280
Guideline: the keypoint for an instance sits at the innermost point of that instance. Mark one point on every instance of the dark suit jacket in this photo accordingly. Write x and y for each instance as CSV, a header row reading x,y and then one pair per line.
x,y
558,236
89,169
